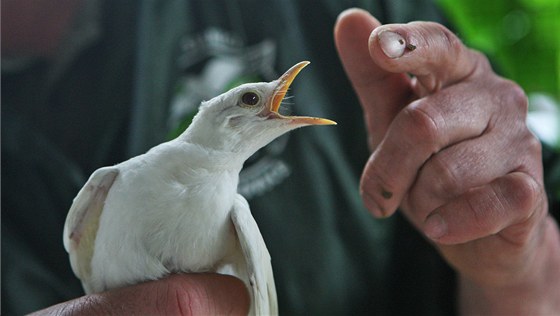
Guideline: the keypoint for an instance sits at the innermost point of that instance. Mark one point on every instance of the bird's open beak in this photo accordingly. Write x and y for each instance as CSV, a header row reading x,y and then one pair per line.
x,y
284,83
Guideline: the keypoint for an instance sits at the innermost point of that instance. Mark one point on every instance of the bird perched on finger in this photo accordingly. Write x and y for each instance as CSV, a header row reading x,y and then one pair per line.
x,y
176,208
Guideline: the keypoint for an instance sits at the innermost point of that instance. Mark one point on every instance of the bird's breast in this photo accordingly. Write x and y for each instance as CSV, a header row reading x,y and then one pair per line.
x,y
195,232
159,220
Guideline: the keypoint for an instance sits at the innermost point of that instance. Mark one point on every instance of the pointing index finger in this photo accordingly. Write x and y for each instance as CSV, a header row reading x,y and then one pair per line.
x,y
427,50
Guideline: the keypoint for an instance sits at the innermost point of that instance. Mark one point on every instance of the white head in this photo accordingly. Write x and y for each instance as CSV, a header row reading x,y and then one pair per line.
x,y
246,118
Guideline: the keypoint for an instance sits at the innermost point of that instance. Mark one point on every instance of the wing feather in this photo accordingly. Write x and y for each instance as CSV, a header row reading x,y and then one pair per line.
x,y
82,221
257,259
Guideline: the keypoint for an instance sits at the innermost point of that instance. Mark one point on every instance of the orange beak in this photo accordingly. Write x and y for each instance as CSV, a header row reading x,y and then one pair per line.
x,y
285,81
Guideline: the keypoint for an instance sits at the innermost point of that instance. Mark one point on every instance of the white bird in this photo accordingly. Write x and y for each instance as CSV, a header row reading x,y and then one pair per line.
x,y
176,208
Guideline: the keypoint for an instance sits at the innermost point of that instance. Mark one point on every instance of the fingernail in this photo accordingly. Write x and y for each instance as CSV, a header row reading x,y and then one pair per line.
x,y
435,226
392,44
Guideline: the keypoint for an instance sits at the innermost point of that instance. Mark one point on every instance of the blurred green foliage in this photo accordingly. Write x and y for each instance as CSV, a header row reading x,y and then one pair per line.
x,y
522,38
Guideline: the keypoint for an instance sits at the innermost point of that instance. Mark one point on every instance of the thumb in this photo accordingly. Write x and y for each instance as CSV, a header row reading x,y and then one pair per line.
x,y
180,294
429,51
382,93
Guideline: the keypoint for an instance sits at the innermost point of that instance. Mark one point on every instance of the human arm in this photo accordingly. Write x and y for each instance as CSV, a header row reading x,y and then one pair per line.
x,y
451,149
181,294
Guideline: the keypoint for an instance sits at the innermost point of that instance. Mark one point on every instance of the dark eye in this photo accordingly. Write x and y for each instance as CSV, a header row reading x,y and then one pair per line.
x,y
250,98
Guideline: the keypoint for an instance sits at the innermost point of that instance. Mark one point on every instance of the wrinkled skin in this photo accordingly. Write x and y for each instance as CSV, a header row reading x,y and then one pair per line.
x,y
450,148
182,294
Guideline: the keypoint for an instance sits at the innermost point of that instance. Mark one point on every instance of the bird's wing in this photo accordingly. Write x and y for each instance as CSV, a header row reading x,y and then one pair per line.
x,y
257,258
82,221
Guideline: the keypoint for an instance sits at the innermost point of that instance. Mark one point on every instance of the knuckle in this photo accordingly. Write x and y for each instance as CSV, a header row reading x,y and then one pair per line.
x,y
505,202
444,44
488,208
451,41
421,126
534,146
517,97
523,193
527,203
530,160
436,33
527,146
514,97
445,173
461,57
481,62
478,207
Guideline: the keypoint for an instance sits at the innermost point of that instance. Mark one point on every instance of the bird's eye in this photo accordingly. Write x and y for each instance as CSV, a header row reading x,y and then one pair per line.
x,y
250,99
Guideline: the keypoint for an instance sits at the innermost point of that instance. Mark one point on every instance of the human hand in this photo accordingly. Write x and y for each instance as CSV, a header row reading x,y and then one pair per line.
x,y
179,294
452,150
